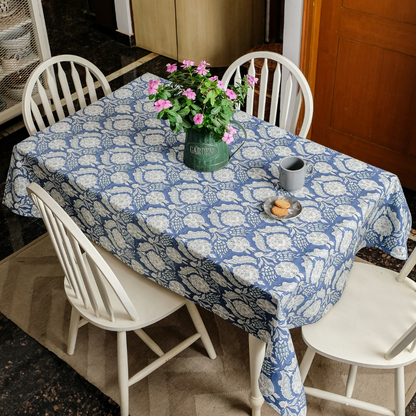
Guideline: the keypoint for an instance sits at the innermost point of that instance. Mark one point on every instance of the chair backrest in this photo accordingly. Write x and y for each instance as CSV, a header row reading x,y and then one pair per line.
x,y
279,94
88,274
56,89
410,335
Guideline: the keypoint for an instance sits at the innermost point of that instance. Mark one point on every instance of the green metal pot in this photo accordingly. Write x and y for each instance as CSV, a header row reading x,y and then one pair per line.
x,y
204,154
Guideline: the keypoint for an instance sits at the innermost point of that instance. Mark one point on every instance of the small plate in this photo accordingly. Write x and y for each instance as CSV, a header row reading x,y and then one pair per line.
x,y
293,211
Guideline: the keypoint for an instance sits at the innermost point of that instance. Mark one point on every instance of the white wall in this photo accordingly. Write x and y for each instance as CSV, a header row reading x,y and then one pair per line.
x,y
123,16
292,38
292,30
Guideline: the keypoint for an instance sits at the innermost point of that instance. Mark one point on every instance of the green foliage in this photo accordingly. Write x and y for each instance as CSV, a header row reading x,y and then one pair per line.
x,y
210,100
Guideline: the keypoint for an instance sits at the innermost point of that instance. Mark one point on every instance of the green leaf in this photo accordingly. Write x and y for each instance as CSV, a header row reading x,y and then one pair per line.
x,y
216,110
184,111
172,117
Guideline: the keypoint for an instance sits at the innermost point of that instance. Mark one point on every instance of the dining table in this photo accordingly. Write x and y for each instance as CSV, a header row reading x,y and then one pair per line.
x,y
118,171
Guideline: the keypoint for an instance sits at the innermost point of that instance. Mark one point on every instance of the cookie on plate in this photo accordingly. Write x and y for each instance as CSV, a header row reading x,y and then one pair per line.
x,y
281,203
279,212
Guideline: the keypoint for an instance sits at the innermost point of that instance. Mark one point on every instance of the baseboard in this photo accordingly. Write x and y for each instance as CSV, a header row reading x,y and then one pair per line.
x,y
128,40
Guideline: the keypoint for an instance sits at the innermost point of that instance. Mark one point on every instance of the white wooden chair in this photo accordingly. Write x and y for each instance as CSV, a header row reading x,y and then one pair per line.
x,y
58,92
373,325
107,293
281,96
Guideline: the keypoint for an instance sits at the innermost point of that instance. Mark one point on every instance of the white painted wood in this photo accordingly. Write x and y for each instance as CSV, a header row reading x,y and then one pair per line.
x,y
292,38
339,398
257,349
284,121
123,372
63,81
352,375
44,101
264,80
123,16
36,114
78,86
107,293
305,365
288,119
399,392
407,268
51,100
372,325
275,94
149,342
250,93
53,90
40,43
163,359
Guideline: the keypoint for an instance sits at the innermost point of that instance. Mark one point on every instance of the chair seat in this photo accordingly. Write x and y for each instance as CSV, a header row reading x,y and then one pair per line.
x,y
152,301
112,296
373,312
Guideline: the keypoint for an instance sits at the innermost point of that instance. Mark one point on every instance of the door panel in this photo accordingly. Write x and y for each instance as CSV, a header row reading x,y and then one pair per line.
x,y
403,11
365,95
361,85
375,30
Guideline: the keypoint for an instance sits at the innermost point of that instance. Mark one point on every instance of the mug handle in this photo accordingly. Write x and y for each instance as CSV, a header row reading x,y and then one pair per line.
x,y
309,168
245,137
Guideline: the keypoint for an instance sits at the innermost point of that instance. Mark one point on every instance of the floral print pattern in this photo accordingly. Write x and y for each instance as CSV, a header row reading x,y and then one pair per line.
x,y
118,173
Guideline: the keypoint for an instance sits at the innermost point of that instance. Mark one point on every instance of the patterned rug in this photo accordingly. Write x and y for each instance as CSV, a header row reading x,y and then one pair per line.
x,y
32,296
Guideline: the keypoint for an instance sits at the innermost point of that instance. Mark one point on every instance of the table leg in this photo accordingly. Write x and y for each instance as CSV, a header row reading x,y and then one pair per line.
x,y
257,349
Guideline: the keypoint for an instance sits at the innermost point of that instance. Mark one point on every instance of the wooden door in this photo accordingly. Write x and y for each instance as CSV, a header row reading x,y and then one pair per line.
x,y
365,94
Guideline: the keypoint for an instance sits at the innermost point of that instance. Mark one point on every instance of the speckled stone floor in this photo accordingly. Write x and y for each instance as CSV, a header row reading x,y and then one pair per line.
x,y
33,381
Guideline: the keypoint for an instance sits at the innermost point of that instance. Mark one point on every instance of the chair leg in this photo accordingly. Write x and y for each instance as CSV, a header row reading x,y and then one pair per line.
x,y
352,374
200,327
73,331
306,363
123,373
399,392
257,349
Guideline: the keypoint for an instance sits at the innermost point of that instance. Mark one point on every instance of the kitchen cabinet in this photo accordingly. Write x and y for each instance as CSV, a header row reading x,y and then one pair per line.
x,y
23,46
217,31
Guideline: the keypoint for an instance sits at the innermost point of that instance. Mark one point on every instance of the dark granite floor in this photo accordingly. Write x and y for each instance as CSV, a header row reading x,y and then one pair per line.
x,y
33,381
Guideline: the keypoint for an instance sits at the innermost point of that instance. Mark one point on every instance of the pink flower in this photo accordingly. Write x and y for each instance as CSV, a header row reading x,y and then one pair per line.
x,y
213,78
230,94
162,104
201,70
189,94
229,135
227,138
187,63
220,84
153,87
171,68
251,80
198,119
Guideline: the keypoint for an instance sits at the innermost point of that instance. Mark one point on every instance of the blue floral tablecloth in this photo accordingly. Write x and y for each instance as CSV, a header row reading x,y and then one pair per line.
x,y
118,172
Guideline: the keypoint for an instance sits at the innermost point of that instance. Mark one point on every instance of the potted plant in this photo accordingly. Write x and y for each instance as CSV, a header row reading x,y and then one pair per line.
x,y
198,103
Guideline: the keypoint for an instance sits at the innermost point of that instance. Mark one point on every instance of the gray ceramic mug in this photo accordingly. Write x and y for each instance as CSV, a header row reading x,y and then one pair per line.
x,y
293,170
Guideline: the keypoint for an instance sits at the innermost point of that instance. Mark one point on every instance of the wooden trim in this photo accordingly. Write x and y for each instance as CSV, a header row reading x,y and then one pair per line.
x,y
310,40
